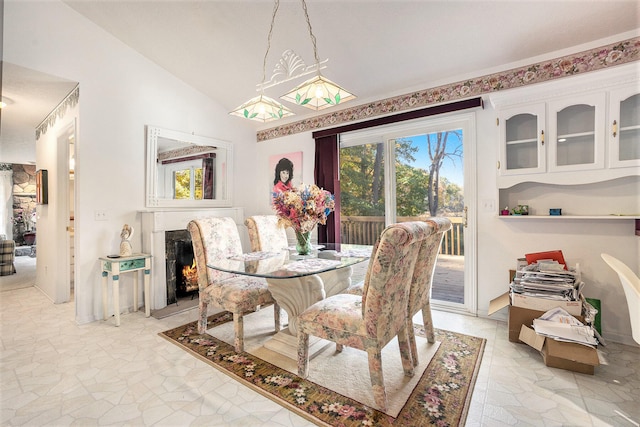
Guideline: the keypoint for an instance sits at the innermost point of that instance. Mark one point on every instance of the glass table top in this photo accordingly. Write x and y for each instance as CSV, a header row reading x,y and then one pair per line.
x,y
288,264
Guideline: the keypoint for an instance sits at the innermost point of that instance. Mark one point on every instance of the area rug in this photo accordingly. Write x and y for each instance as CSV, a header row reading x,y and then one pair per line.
x,y
346,372
440,395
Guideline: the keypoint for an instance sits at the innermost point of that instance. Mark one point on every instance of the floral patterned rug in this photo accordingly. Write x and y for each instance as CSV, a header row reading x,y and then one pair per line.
x,y
441,397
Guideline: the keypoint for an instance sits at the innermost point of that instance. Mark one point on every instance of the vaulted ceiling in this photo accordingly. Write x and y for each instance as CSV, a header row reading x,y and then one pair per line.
x,y
375,49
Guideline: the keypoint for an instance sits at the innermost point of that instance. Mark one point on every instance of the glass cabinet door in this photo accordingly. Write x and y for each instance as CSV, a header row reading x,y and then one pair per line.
x,y
624,127
576,133
522,140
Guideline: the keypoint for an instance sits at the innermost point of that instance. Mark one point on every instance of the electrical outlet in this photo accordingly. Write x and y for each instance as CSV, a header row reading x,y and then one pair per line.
x,y
100,215
488,205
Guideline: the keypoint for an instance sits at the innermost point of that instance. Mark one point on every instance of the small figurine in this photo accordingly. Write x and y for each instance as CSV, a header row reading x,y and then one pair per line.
x,y
125,244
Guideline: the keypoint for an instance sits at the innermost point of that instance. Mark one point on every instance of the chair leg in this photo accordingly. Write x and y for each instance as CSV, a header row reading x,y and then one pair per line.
x,y
238,332
412,342
303,354
202,317
377,378
428,323
276,316
405,352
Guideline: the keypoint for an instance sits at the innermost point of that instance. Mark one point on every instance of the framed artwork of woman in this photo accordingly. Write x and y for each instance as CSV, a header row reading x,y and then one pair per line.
x,y
287,171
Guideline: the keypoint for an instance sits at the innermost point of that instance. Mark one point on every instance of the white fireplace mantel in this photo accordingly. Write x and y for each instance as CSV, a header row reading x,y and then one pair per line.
x,y
154,225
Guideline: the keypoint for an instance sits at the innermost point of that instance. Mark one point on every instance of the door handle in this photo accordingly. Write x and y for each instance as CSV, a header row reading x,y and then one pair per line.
x,y
465,221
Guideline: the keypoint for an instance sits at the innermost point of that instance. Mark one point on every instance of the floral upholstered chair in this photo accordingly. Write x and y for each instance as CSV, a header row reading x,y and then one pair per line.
x,y
420,292
7,257
216,238
370,321
265,234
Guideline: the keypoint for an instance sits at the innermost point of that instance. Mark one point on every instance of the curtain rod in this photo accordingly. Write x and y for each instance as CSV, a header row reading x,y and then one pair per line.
x,y
408,115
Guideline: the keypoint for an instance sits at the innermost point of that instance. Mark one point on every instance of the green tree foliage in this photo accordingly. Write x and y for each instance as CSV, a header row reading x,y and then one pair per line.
x,y
418,190
361,180
437,150
182,183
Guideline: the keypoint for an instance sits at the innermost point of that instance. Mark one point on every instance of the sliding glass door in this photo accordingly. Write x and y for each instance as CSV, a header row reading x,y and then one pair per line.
x,y
410,172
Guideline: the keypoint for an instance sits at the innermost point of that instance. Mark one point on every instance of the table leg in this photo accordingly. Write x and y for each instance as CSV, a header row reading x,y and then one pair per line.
x,y
116,298
147,294
295,295
135,291
105,307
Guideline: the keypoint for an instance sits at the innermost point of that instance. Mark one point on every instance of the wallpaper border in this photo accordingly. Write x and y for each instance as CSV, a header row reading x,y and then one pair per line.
x,y
599,58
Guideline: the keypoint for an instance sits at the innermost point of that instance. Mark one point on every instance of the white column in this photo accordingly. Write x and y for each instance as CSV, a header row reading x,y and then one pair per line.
x,y
6,205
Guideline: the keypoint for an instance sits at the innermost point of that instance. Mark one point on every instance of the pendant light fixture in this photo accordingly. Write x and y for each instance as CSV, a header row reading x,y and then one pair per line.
x,y
262,108
316,93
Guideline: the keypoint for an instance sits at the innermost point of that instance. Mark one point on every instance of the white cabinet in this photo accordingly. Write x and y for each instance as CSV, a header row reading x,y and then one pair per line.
x,y
522,140
624,127
573,139
572,144
576,133
566,134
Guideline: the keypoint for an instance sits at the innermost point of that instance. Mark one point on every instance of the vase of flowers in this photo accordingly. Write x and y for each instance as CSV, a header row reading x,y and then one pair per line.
x,y
303,242
302,209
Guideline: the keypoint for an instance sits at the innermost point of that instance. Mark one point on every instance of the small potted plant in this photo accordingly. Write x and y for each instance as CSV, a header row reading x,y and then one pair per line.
x,y
521,210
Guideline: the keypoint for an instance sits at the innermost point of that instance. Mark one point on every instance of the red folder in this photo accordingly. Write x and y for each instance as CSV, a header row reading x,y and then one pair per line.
x,y
552,255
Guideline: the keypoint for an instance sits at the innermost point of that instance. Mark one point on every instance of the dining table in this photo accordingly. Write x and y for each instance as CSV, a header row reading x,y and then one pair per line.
x,y
298,281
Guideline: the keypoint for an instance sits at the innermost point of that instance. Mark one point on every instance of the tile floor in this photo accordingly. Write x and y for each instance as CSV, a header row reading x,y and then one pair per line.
x,y
54,372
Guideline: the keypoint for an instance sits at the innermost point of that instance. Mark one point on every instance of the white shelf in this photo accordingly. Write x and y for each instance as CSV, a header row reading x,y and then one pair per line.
x,y
558,217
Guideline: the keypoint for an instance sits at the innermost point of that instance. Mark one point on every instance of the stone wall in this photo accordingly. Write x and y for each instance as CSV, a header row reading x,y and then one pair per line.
x,y
24,199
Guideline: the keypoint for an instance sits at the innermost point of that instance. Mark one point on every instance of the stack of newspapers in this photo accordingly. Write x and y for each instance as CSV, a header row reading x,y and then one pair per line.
x,y
548,279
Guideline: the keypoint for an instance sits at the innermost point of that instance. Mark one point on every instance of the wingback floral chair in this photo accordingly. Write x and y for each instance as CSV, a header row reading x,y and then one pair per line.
x,y
216,238
264,233
420,292
370,321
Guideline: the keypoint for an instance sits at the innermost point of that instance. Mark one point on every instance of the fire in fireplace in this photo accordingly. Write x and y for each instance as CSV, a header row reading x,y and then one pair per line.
x,y
190,277
181,270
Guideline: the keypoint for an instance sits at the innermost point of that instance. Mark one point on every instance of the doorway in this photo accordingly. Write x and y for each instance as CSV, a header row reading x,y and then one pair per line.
x,y
408,172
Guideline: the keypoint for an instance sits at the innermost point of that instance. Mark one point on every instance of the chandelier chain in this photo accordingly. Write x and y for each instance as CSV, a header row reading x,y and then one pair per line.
x,y
276,5
313,38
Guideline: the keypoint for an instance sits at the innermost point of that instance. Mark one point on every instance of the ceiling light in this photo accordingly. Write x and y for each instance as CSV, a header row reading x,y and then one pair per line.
x,y
262,108
316,93
4,101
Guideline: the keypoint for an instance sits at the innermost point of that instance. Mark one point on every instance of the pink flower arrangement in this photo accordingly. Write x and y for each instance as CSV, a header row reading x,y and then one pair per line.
x,y
303,208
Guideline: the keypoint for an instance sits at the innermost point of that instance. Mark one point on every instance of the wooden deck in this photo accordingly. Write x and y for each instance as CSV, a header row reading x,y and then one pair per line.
x,y
448,281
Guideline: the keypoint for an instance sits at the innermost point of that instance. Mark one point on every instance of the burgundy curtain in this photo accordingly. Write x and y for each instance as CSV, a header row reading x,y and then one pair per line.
x,y
326,176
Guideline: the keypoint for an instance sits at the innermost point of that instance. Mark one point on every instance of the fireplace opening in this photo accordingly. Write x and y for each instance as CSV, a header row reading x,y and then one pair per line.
x,y
182,279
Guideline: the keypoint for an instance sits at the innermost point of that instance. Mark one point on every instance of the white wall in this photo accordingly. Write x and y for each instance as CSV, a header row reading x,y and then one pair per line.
x,y
120,92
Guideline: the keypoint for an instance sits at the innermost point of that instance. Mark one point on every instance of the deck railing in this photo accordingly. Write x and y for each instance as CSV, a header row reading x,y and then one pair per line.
x,y
364,230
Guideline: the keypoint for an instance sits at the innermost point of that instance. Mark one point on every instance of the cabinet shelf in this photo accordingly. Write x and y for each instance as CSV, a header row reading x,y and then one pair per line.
x,y
560,217
575,135
522,141
627,128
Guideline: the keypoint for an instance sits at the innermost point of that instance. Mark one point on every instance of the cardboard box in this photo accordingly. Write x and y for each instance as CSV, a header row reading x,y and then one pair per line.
x,y
564,355
518,316
542,304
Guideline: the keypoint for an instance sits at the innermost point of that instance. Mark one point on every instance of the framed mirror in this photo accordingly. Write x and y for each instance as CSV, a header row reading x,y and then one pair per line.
x,y
185,170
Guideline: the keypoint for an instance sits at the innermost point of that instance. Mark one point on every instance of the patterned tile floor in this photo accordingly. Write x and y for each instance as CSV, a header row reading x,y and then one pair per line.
x,y
54,372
